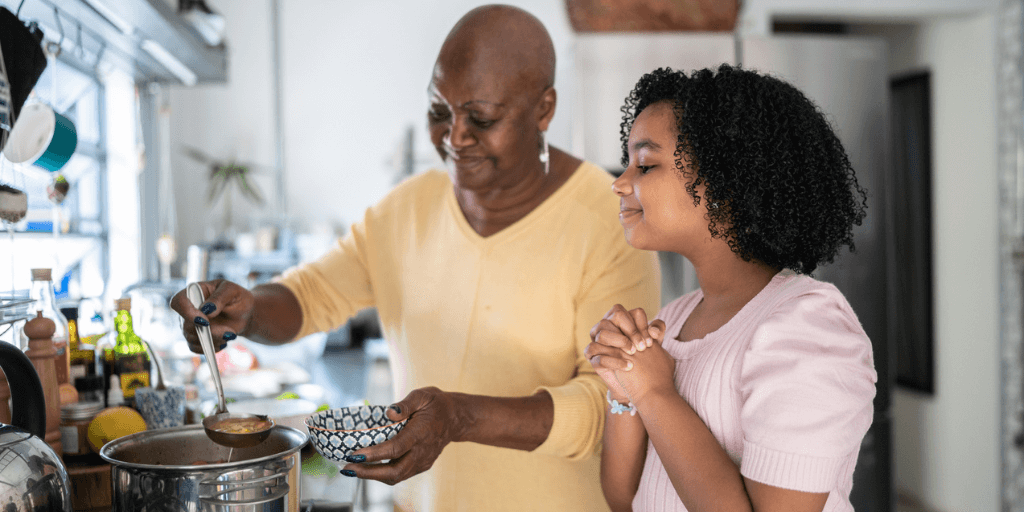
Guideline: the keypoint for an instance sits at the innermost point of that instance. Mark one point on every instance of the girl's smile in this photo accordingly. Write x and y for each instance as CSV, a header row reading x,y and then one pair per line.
x,y
655,210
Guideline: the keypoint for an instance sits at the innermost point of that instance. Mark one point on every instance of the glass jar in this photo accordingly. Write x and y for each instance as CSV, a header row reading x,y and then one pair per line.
x,y
74,426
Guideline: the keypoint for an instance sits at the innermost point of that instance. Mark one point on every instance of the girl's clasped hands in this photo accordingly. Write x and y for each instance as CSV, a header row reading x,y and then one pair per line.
x,y
627,354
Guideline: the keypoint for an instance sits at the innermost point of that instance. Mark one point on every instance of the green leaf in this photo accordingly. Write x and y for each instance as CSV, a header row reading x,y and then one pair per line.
x,y
287,395
323,407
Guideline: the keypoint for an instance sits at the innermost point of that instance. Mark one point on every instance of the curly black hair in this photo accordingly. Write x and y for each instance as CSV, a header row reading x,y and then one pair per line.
x,y
779,186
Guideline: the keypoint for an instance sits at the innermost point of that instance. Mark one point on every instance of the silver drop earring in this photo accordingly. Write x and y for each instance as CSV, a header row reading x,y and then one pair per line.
x,y
544,155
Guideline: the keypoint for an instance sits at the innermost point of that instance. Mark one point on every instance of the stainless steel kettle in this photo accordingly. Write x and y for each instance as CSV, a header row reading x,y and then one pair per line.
x,y
32,476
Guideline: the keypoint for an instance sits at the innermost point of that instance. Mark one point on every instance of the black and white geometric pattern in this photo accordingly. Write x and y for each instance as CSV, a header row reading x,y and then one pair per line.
x,y
336,433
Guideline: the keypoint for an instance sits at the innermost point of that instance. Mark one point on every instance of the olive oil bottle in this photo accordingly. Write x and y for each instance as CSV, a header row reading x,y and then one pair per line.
x,y
131,361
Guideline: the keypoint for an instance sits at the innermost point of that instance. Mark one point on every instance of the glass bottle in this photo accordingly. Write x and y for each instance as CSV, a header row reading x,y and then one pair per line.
x,y
131,361
82,355
42,295
105,361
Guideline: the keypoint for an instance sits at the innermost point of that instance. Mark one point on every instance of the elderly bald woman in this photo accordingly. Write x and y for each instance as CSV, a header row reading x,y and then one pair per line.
x,y
487,279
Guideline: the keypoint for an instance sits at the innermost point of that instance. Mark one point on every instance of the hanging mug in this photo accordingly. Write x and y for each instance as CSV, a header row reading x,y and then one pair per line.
x,y
41,137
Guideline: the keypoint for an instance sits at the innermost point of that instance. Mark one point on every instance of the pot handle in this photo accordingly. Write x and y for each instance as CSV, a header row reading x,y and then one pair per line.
x,y
277,481
28,409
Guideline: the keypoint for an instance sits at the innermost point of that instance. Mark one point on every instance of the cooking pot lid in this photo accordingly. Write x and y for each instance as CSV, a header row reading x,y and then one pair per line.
x,y
181,448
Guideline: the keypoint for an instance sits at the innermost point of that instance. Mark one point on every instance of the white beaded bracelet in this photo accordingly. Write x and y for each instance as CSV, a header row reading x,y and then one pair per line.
x,y
618,408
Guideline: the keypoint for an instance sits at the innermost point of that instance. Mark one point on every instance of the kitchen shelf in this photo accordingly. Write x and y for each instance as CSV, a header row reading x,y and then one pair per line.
x,y
14,307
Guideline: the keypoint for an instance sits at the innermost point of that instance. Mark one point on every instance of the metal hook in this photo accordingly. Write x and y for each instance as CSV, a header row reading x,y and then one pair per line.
x,y
60,28
78,41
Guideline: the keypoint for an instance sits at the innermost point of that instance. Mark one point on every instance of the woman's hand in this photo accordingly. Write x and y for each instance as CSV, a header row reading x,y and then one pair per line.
x,y
618,336
228,310
434,421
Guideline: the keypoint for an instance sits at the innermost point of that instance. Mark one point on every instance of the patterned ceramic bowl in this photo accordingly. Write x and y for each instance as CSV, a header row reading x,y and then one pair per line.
x,y
336,433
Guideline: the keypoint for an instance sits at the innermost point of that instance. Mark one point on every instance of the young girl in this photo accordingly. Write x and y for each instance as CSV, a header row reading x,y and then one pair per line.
x,y
755,391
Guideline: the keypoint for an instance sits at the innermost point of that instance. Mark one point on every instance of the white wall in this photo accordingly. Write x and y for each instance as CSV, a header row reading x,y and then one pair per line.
x,y
947,445
355,76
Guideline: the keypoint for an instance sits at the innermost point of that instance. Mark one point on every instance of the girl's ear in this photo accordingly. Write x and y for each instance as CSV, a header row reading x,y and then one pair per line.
x,y
546,108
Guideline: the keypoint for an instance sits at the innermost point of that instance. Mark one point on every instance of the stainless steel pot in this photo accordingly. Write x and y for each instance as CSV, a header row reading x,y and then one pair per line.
x,y
156,471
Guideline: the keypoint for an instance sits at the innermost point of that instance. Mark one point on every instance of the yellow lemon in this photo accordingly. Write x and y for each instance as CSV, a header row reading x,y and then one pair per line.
x,y
113,423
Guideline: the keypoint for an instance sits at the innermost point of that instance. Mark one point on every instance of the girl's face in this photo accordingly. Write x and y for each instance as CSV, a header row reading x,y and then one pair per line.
x,y
655,209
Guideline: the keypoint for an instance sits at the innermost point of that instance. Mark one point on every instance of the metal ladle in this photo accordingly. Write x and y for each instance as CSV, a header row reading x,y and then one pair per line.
x,y
222,416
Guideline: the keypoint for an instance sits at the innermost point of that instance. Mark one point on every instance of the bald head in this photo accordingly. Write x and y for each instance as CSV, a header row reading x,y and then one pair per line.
x,y
501,39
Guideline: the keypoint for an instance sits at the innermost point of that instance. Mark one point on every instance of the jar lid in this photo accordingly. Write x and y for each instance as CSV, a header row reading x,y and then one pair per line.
x,y
41,274
123,304
80,410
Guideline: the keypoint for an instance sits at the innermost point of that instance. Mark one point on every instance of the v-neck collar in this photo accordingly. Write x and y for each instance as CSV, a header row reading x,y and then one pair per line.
x,y
551,202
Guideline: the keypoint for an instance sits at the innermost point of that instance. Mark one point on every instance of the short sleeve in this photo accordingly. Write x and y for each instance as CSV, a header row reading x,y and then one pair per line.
x,y
807,384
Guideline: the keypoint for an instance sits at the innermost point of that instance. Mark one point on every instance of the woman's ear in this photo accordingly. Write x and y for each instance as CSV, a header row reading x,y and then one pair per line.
x,y
546,108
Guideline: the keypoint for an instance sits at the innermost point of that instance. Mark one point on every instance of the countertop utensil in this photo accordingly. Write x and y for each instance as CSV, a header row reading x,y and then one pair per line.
x,y
160,386
236,430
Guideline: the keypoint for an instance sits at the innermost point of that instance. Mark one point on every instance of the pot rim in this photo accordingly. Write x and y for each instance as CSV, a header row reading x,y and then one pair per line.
x,y
105,451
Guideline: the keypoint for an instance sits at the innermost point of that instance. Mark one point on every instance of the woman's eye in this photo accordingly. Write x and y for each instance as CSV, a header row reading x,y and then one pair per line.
x,y
437,115
644,168
481,123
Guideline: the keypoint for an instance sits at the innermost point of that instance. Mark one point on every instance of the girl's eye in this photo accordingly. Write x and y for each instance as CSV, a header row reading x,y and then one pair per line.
x,y
644,168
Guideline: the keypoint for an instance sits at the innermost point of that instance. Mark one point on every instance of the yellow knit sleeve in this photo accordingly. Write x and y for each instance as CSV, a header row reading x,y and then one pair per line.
x,y
334,288
631,278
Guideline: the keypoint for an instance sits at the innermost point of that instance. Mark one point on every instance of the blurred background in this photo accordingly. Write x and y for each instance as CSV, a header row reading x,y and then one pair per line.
x,y
236,138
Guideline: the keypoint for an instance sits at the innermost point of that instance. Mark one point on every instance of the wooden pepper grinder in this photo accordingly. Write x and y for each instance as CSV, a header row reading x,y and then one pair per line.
x,y
41,352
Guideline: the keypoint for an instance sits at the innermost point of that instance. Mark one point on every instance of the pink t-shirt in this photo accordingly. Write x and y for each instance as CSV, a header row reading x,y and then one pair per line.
x,y
786,386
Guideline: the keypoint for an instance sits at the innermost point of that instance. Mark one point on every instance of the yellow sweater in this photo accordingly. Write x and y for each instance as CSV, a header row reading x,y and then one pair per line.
x,y
506,315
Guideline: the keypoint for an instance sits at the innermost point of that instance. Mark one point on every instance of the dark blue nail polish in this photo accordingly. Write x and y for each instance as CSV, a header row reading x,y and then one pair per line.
x,y
228,336
348,472
396,408
355,458
207,308
202,321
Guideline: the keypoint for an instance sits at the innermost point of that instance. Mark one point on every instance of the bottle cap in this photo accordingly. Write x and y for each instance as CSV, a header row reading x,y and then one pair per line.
x,y
123,304
41,274
114,395
70,313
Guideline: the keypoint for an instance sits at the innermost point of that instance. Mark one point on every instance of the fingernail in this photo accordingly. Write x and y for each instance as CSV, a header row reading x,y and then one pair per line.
x,y
641,347
629,365
202,321
355,458
632,350
396,408
348,472
207,308
650,342
228,336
